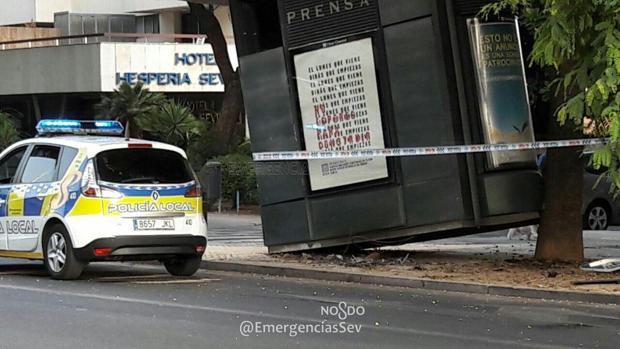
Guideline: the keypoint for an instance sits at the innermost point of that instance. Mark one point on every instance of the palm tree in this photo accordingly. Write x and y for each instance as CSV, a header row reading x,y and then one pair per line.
x,y
128,103
8,132
172,123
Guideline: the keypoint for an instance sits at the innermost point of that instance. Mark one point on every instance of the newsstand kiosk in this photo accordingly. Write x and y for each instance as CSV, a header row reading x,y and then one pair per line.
x,y
373,74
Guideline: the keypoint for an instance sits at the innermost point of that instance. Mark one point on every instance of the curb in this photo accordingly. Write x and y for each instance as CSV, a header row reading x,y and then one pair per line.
x,y
435,285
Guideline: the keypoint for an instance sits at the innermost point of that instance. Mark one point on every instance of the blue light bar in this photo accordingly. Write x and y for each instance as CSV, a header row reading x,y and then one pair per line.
x,y
59,126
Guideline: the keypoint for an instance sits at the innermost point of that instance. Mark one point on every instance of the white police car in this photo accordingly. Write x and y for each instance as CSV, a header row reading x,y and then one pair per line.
x,y
71,199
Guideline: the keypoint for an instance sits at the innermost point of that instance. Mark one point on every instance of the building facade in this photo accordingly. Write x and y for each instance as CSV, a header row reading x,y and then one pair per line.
x,y
58,56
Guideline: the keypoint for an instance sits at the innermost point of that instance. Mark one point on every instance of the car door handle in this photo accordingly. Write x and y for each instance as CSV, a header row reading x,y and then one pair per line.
x,y
2,202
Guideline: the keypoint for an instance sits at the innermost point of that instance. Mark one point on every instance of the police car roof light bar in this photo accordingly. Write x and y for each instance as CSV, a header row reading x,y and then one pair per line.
x,y
61,126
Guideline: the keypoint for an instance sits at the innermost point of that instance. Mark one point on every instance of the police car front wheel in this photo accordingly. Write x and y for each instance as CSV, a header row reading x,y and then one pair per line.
x,y
59,258
183,266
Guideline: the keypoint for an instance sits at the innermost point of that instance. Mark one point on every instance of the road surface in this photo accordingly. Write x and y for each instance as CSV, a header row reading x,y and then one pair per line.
x,y
139,306
235,230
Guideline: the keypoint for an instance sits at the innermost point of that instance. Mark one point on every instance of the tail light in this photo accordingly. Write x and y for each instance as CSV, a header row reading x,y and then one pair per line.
x,y
193,192
90,192
90,187
102,252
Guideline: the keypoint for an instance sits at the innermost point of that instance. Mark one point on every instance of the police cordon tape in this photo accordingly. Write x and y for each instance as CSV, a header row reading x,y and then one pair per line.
x,y
424,151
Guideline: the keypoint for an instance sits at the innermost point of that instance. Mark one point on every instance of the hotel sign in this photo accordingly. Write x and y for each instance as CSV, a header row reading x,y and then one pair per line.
x,y
179,78
161,67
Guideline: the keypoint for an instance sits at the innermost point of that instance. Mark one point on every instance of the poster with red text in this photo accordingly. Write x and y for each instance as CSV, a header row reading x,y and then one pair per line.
x,y
340,110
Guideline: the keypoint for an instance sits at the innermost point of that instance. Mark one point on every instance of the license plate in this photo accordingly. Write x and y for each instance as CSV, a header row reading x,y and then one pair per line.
x,y
153,224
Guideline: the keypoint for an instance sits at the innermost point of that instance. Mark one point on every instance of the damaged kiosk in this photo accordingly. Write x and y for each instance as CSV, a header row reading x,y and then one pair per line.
x,y
372,74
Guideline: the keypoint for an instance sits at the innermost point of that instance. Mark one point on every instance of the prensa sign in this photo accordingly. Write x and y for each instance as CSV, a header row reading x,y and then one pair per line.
x,y
313,21
327,8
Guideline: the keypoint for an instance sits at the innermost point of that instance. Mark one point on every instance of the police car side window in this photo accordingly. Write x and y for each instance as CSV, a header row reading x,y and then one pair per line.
x,y
9,164
41,165
68,154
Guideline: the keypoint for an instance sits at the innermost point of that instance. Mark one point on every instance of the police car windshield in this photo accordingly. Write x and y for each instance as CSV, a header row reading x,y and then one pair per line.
x,y
143,166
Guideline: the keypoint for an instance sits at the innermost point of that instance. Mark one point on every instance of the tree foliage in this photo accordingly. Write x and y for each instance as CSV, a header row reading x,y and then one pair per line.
x,y
127,103
578,41
172,123
238,175
8,131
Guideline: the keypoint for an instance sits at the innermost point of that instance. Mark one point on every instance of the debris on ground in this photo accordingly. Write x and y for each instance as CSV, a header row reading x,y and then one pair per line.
x,y
608,265
597,282
490,268
456,263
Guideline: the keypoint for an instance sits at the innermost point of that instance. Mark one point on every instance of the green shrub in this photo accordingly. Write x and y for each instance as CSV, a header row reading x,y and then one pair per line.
x,y
238,175
206,146
245,148
8,133
171,123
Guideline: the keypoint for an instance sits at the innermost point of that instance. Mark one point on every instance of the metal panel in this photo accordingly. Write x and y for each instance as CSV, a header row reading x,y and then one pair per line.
x,y
255,27
61,22
273,124
129,24
394,11
469,7
116,24
103,25
75,27
433,191
311,21
353,213
90,24
511,192
285,223
433,202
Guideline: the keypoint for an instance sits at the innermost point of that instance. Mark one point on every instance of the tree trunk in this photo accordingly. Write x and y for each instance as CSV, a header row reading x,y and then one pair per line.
x,y
560,235
232,107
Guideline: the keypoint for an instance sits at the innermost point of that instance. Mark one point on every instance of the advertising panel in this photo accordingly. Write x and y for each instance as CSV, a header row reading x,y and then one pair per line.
x,y
502,89
340,110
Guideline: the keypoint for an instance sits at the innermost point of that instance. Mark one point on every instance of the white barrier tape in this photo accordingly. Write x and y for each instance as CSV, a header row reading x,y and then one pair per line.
x,y
422,151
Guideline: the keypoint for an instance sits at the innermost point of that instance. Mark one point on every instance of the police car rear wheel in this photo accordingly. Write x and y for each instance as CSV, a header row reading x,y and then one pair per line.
x,y
59,259
183,266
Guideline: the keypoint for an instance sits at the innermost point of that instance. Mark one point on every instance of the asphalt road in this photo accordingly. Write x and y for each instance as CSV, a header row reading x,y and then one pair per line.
x,y
124,306
235,230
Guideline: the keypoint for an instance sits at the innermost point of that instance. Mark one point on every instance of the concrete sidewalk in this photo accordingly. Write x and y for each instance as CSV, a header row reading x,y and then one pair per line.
x,y
483,263
597,245
231,234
